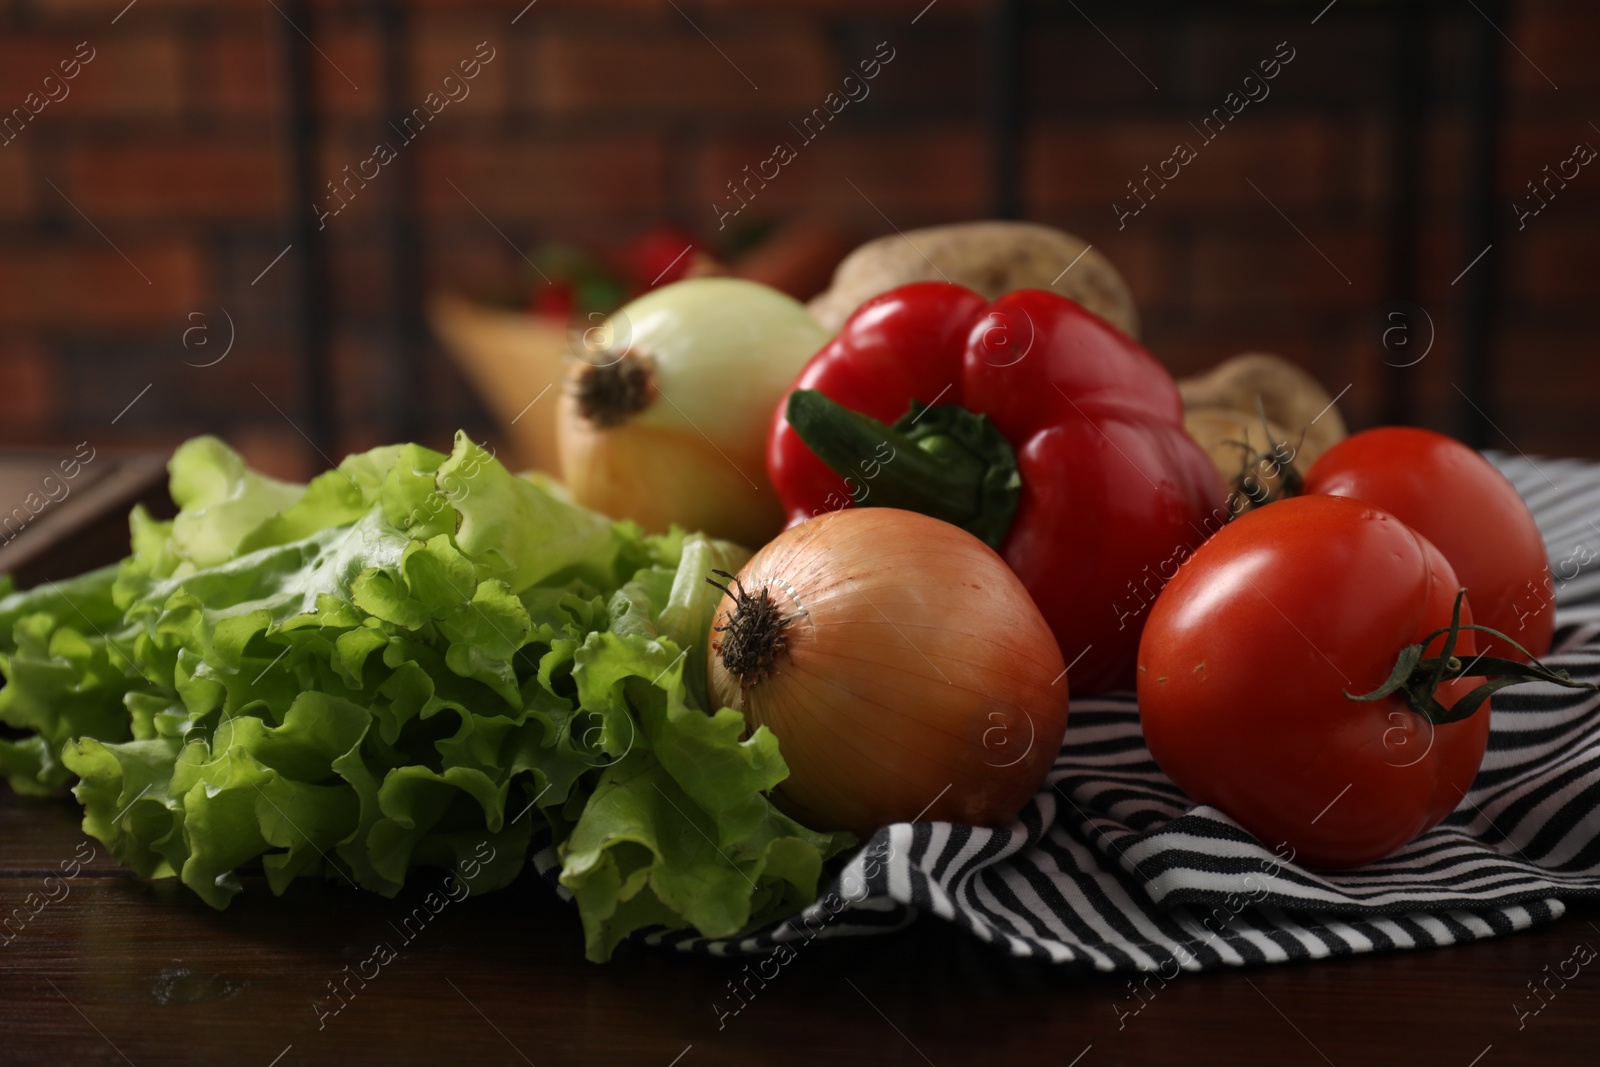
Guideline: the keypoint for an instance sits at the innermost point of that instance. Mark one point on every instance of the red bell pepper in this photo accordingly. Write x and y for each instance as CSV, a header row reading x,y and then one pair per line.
x,y
1052,435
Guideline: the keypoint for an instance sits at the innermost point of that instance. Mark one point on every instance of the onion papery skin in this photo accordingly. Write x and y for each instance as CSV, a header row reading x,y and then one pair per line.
x,y
717,353
663,476
917,678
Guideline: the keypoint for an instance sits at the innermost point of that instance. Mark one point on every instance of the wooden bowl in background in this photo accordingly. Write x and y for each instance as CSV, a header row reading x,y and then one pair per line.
x,y
515,362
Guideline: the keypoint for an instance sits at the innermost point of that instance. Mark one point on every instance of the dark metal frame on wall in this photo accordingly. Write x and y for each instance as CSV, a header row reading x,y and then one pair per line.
x,y
315,301
1482,296
313,311
1415,24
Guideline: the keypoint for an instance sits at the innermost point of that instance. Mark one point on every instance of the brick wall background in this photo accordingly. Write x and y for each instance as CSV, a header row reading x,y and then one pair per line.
x,y
146,201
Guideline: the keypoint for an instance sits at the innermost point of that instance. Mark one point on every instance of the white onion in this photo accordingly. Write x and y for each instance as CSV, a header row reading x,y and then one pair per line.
x,y
666,422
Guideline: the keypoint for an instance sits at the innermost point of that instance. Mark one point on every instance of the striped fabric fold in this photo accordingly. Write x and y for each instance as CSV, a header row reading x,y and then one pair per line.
x,y
1112,868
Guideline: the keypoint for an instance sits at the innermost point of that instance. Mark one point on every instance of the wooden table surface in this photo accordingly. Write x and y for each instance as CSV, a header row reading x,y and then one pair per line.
x,y
111,970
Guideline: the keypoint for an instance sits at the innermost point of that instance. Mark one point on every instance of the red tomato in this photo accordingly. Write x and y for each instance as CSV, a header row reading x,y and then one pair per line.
x,y
1246,660
1455,498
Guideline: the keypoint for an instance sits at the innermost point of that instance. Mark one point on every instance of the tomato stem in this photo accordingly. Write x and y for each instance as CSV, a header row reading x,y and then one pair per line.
x,y
1250,484
1416,679
942,461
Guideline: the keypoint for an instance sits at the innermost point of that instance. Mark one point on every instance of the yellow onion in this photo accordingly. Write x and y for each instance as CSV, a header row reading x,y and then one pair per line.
x,y
665,419
902,665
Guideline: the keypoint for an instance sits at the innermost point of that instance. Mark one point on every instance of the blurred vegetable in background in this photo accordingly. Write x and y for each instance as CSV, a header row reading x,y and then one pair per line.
x,y
991,257
515,358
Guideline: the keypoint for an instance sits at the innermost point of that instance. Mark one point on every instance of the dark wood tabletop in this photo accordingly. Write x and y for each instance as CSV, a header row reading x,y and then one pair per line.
x,y
108,969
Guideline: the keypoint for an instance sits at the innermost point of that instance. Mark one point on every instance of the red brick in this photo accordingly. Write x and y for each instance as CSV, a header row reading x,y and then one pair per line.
x,y
1097,75
242,74
355,201
1189,343
1148,260
885,9
359,362
1539,142
1564,354
522,179
144,12
1552,264
1092,164
1361,175
1290,159
87,283
25,60
940,68
1432,381
465,253
230,388
1267,265
1548,410
451,403
706,9
480,263
128,76
360,274
577,72
211,179
275,449
344,157
532,14
1088,165
1442,257
914,176
355,435
442,43
346,73
30,396
1145,264
1557,40
1225,49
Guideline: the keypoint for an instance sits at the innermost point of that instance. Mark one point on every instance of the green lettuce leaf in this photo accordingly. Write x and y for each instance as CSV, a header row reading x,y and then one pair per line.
x,y
417,659
220,501
66,675
678,832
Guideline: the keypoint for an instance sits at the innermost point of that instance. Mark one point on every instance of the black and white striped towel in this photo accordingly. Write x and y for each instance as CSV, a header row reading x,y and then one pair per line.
x,y
1112,868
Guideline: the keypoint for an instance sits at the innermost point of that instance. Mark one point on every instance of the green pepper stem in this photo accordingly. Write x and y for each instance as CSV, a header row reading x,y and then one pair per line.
x,y
1415,679
943,461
